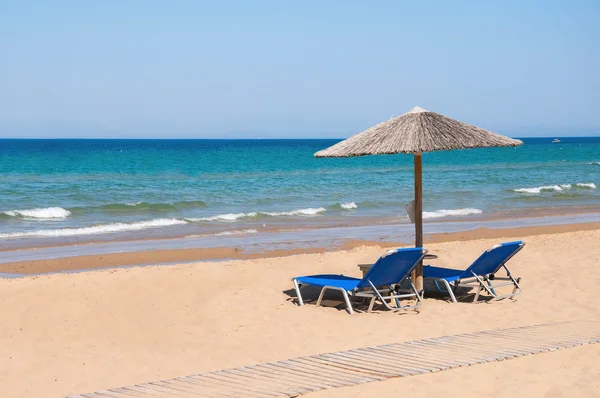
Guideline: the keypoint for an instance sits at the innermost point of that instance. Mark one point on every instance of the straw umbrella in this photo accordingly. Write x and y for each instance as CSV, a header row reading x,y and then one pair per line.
x,y
415,132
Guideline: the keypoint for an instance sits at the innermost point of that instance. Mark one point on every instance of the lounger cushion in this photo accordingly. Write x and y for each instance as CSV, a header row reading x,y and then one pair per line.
x,y
448,274
341,281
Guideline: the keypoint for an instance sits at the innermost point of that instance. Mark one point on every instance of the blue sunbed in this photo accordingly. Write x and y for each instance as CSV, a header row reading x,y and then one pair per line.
x,y
380,282
480,274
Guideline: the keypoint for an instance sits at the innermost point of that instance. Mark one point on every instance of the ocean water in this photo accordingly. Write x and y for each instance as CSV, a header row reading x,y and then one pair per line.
x,y
74,190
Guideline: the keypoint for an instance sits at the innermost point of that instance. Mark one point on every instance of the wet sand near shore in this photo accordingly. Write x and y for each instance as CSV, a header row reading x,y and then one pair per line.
x,y
113,260
400,225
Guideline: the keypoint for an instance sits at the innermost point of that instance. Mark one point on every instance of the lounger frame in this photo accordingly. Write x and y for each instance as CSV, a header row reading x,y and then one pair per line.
x,y
484,282
392,293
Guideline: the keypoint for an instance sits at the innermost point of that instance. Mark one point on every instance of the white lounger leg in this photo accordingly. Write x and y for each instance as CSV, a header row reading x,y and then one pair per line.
x,y
517,288
483,286
450,290
490,284
371,304
344,292
509,280
477,294
321,296
448,287
350,310
300,302
419,297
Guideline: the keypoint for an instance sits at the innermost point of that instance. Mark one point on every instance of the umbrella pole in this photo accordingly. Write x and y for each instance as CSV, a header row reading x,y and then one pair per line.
x,y
418,273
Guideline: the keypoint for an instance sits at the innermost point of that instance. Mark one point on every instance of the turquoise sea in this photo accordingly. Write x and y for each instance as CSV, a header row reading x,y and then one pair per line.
x,y
75,190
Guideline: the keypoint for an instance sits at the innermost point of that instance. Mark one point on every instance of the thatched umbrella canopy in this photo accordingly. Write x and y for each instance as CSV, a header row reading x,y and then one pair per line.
x,y
415,132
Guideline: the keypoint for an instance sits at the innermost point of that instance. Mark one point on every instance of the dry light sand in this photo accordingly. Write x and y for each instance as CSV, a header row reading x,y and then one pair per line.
x,y
74,333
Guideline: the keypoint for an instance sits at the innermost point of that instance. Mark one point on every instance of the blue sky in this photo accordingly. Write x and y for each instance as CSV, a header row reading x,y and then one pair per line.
x,y
307,68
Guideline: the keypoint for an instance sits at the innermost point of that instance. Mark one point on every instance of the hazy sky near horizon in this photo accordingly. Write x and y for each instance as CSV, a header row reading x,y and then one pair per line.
x,y
219,69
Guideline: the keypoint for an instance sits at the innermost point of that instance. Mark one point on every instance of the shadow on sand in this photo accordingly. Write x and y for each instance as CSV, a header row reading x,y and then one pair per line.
x,y
333,299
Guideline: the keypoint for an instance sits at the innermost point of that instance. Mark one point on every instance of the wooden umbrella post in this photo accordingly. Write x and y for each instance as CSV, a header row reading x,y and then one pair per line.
x,y
418,273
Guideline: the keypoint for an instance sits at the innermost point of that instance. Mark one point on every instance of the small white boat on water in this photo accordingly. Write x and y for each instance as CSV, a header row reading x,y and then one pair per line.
x,y
555,141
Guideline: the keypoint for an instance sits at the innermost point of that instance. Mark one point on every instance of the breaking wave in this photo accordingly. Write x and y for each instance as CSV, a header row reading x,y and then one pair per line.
x,y
344,206
96,229
230,217
546,188
225,233
49,213
53,213
349,206
554,188
225,217
451,212
590,185
243,232
299,212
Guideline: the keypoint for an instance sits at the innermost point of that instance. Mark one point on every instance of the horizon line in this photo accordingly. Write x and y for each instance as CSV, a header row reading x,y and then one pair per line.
x,y
242,139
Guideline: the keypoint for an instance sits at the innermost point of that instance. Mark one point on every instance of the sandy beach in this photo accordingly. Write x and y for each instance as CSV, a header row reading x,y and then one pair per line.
x,y
81,332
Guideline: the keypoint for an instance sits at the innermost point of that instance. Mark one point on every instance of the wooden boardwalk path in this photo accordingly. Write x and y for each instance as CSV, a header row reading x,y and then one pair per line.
x,y
298,376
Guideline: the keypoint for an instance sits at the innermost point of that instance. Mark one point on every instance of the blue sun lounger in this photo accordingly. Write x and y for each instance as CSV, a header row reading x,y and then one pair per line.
x,y
480,274
381,282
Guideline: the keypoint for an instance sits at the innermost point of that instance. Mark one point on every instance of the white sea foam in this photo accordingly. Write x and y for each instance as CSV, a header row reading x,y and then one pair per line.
x,y
590,185
554,188
546,188
594,163
96,229
48,213
348,206
451,212
225,217
242,232
230,217
299,212
224,233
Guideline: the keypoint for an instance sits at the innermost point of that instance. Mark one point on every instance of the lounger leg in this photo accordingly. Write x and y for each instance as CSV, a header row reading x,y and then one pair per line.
x,y
482,285
477,294
455,287
347,299
371,304
517,288
419,297
321,296
345,293
396,299
300,302
516,282
380,297
489,282
449,289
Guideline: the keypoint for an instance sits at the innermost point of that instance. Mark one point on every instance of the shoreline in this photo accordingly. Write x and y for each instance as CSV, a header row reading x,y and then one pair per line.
x,y
224,230
178,256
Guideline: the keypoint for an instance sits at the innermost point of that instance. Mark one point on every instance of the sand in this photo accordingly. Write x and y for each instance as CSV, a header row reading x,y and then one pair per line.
x,y
74,333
